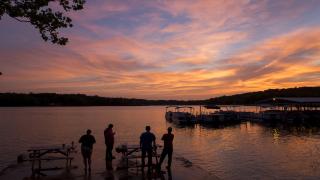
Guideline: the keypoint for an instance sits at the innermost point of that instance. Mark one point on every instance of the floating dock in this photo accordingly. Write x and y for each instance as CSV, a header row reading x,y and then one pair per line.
x,y
274,110
181,168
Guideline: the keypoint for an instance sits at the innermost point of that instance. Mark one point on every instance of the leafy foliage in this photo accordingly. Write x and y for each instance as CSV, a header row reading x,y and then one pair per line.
x,y
53,99
254,97
42,15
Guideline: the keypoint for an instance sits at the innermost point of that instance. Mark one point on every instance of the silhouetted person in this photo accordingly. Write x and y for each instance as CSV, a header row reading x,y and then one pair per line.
x,y
87,142
146,140
109,141
167,147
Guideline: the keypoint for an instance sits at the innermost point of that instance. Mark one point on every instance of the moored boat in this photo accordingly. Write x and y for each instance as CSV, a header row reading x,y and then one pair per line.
x,y
213,114
180,114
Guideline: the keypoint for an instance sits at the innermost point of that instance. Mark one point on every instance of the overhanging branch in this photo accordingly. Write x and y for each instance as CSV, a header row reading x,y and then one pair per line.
x,y
20,20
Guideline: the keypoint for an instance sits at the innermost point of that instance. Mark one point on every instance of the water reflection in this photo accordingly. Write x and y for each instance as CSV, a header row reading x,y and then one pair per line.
x,y
238,150
287,130
275,130
244,151
276,135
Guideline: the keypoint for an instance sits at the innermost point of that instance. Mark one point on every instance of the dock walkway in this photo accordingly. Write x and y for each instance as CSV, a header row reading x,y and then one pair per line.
x,y
181,169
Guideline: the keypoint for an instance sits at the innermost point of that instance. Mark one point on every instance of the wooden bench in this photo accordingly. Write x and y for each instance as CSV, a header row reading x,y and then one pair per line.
x,y
40,154
130,152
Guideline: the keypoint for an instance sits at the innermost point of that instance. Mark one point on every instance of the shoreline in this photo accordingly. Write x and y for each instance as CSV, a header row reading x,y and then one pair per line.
x,y
182,168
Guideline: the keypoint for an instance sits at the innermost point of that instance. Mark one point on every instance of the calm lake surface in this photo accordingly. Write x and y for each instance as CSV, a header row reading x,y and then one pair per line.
x,y
245,151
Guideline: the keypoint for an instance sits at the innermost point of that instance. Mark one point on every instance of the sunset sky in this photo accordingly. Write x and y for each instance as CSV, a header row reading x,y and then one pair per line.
x,y
158,49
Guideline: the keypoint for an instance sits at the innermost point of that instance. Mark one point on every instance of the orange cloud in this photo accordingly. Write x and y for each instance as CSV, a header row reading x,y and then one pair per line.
x,y
171,50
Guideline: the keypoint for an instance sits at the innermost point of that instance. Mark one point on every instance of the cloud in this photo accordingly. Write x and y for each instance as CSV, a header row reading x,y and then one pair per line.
x,y
290,56
169,50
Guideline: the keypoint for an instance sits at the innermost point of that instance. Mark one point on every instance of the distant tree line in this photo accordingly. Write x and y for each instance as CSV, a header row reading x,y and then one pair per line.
x,y
254,97
53,99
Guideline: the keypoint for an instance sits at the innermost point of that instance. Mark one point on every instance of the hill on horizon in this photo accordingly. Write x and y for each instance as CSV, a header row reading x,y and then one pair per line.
x,y
54,99
253,97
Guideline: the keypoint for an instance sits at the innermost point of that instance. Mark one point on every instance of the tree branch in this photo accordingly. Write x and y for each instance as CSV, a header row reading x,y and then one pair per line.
x,y
20,20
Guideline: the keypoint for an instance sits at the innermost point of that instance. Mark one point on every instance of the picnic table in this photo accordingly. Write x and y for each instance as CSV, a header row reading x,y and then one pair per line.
x,y
131,152
50,153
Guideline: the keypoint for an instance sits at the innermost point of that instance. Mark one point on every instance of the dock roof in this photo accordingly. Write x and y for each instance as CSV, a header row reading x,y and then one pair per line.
x,y
291,100
300,99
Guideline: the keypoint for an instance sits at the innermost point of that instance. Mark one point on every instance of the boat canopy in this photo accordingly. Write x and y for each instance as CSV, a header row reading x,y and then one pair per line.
x,y
315,101
212,106
179,107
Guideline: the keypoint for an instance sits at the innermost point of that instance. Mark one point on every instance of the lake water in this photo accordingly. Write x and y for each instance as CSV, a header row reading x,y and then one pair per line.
x,y
245,151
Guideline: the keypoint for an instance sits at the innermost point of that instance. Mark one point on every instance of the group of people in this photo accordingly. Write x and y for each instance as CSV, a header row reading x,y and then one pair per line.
x,y
147,145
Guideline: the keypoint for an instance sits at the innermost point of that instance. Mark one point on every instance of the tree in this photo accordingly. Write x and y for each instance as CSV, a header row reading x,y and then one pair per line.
x,y
42,15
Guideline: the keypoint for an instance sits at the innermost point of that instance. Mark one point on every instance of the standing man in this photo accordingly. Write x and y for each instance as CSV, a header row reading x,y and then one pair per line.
x,y
109,141
87,142
167,148
146,140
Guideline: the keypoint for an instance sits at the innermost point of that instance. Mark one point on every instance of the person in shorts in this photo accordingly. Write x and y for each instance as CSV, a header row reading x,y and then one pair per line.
x,y
87,142
146,140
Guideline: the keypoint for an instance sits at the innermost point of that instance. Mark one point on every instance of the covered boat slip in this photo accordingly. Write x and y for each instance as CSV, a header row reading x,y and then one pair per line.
x,y
295,110
279,109
208,114
292,103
